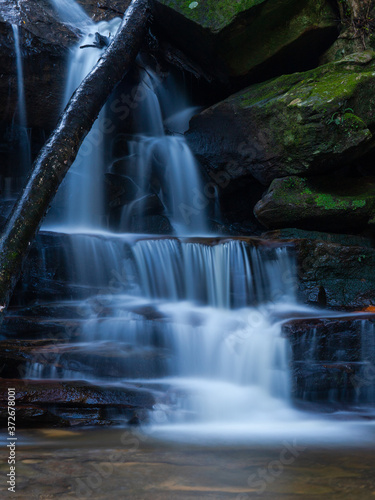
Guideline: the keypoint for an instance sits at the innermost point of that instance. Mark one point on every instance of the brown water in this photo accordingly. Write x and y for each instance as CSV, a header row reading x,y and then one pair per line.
x,y
117,464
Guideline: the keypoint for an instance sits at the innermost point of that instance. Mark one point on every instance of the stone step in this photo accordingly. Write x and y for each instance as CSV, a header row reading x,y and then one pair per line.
x,y
71,403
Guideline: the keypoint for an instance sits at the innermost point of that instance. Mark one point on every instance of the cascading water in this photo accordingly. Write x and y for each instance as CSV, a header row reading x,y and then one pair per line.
x,y
20,80
197,320
73,14
20,120
186,304
80,200
165,157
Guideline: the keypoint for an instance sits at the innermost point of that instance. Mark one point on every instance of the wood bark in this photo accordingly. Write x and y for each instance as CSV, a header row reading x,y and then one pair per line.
x,y
61,149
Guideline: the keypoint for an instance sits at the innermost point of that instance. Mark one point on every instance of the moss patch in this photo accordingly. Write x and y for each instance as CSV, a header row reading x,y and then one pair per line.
x,y
324,201
211,14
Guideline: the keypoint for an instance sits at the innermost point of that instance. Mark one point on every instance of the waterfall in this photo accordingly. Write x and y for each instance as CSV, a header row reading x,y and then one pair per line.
x,y
190,314
193,315
70,12
80,199
165,157
20,80
196,319
21,123
365,381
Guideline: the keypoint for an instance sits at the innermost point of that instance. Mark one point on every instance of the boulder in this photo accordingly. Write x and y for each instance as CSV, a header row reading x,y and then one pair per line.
x,y
249,38
299,124
49,358
334,271
44,42
341,239
71,403
151,224
319,203
345,275
332,359
120,190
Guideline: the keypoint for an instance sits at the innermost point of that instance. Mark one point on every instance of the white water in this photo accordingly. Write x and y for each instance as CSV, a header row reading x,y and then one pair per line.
x,y
73,14
166,158
80,200
24,139
218,350
212,310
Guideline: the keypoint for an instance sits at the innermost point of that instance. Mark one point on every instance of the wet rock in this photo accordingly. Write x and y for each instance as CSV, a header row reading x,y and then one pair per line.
x,y
320,203
105,361
71,403
237,199
44,52
151,224
240,40
120,190
332,359
146,205
328,339
347,274
44,42
104,10
341,239
299,124
20,327
327,382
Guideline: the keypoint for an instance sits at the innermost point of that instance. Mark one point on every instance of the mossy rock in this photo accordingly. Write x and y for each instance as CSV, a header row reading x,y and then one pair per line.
x,y
322,203
299,124
236,38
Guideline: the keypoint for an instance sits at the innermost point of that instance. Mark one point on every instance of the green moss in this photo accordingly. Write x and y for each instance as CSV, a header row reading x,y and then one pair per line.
x,y
211,14
317,88
358,203
250,31
309,194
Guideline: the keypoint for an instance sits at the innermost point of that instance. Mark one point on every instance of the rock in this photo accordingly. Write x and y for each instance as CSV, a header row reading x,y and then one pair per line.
x,y
120,190
319,203
18,327
249,38
60,360
236,200
151,224
71,403
331,359
44,42
347,274
328,339
341,239
299,124
146,205
327,382
104,10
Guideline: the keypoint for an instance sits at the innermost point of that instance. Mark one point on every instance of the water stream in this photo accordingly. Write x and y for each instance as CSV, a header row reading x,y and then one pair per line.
x,y
20,118
196,319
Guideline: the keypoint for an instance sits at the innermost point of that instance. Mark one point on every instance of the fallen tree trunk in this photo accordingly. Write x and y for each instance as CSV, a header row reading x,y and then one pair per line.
x,y
60,151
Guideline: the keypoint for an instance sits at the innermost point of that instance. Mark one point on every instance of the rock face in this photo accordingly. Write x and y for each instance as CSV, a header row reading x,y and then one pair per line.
x,y
299,124
44,42
72,403
332,359
241,39
320,203
346,274
333,271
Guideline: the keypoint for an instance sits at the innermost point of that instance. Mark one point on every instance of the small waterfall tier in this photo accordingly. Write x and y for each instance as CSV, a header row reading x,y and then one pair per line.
x,y
191,315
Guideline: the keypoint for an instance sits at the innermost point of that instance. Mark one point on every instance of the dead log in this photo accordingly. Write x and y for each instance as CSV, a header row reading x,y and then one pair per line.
x,y
61,149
